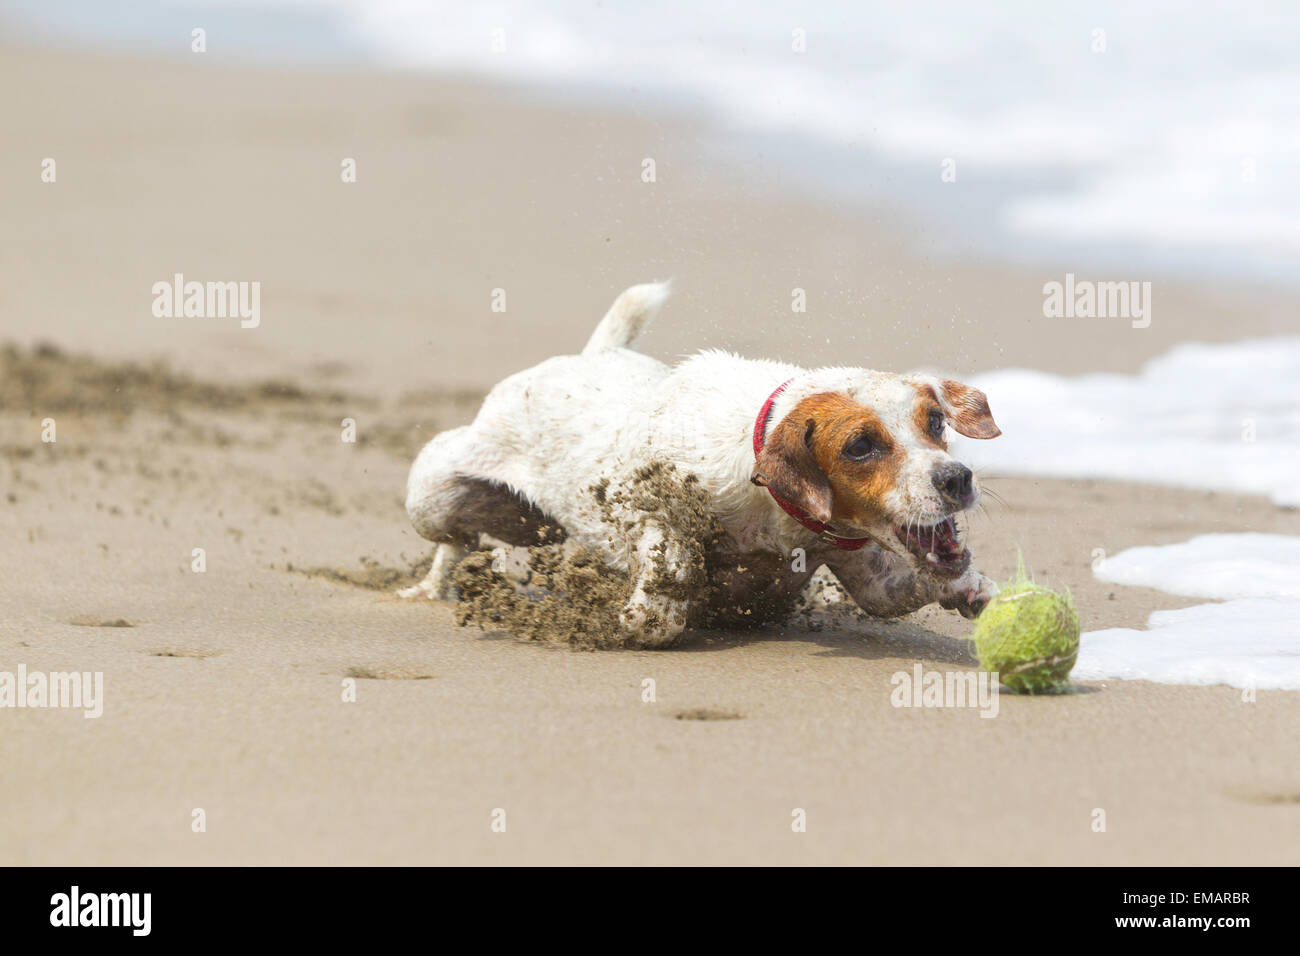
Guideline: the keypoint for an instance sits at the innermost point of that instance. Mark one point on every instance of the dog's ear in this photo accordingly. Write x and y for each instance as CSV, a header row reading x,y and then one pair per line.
x,y
966,408
786,466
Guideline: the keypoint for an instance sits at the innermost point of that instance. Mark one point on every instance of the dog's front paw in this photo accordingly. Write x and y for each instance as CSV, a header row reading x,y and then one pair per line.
x,y
652,620
968,594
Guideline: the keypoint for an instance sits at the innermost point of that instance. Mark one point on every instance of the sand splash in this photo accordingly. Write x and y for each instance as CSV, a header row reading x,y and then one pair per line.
x,y
571,595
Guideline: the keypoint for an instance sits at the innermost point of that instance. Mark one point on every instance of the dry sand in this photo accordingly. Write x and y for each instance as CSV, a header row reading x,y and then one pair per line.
x,y
223,689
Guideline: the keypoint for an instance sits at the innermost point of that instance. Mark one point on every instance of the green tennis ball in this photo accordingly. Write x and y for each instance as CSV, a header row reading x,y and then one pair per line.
x,y
1029,635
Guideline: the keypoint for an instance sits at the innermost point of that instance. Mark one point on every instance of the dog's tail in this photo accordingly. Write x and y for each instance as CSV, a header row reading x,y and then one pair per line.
x,y
628,317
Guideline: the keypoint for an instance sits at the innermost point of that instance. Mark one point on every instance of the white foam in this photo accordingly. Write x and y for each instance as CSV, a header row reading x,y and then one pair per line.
x,y
1218,417
1217,566
1250,640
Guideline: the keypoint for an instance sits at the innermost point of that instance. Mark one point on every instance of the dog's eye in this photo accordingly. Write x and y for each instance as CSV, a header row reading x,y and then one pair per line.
x,y
936,425
860,448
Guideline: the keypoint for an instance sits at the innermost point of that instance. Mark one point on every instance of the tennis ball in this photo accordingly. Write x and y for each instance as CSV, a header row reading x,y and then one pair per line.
x,y
1029,635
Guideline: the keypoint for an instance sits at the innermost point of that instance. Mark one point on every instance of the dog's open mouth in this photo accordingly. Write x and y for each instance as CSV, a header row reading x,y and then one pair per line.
x,y
937,547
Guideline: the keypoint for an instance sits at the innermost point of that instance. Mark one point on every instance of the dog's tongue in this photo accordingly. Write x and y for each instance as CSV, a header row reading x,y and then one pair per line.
x,y
938,547
940,539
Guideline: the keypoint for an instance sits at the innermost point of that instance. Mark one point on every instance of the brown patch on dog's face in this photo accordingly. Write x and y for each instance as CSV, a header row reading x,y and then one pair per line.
x,y
788,467
928,418
834,458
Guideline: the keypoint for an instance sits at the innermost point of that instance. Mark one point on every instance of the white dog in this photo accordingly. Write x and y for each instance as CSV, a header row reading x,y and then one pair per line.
x,y
847,464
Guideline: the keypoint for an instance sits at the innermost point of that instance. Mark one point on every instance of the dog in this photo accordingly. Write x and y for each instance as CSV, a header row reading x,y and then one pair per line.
x,y
842,467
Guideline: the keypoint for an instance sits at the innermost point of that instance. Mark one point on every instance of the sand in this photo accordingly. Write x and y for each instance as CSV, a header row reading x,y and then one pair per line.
x,y
224,689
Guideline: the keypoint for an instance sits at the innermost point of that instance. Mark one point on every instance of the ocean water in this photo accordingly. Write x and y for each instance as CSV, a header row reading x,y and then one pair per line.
x,y
1153,138
1250,640
1218,417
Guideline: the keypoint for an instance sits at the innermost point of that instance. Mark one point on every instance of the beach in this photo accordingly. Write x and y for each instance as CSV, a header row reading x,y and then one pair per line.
x,y
223,689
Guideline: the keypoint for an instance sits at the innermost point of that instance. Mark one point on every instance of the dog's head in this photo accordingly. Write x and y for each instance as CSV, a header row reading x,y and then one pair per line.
x,y
867,455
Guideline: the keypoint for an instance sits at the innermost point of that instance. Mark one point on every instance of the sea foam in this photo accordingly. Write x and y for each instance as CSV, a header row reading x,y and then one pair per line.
x,y
1252,639
1215,417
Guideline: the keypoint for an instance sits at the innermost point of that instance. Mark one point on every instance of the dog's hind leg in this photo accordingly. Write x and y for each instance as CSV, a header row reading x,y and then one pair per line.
x,y
452,503
437,585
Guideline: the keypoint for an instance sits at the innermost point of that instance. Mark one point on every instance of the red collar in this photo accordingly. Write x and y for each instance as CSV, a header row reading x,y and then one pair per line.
x,y
819,528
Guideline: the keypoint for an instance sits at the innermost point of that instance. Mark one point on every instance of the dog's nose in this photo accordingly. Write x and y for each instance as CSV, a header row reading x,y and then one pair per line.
x,y
954,481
